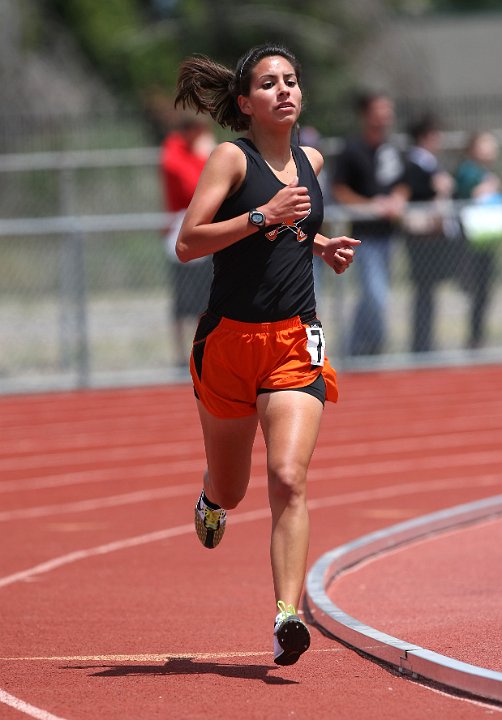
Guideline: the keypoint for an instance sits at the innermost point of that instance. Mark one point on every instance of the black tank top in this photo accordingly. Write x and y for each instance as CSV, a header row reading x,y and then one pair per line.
x,y
267,276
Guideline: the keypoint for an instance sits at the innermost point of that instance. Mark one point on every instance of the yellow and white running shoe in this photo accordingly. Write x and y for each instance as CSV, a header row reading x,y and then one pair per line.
x,y
209,523
291,635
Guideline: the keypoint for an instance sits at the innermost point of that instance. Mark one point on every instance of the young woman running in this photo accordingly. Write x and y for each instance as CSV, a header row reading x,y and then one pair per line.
x,y
258,353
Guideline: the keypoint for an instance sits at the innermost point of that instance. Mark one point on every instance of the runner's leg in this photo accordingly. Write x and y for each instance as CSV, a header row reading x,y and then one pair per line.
x,y
290,421
228,444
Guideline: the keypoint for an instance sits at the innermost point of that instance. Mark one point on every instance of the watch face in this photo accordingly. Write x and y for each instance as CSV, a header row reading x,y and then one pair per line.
x,y
256,217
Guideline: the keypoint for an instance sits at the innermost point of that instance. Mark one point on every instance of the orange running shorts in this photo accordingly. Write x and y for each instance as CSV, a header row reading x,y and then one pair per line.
x,y
231,362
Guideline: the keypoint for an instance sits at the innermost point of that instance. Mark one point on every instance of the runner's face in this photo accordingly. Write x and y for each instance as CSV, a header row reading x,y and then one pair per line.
x,y
274,96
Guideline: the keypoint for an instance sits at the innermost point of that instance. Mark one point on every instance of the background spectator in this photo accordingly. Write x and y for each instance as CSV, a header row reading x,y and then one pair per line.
x,y
476,179
183,156
370,171
430,253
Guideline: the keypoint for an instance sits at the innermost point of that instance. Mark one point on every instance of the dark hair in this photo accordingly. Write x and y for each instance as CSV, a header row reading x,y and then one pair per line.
x,y
365,98
426,124
208,87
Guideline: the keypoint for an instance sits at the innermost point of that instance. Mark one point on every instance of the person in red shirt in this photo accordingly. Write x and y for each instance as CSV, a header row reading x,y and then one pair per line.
x,y
183,155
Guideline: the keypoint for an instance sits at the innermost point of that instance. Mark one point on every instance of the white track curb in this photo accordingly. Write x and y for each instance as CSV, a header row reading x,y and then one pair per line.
x,y
409,659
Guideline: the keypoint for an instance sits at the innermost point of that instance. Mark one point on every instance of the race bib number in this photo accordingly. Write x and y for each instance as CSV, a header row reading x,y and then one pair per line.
x,y
316,344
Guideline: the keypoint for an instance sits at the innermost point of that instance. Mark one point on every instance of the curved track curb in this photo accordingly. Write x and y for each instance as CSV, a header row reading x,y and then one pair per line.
x,y
407,658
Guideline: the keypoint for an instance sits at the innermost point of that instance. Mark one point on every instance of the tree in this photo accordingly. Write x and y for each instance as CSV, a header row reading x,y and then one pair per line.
x,y
137,44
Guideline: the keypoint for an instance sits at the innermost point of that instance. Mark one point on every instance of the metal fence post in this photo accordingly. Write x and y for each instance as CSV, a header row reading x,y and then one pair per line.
x,y
73,329
65,273
82,355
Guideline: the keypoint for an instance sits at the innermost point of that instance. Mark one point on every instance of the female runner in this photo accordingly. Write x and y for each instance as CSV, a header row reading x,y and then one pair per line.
x,y
258,352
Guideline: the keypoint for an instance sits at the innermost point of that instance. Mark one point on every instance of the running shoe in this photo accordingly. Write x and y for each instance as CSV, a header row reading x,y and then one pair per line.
x,y
291,635
209,523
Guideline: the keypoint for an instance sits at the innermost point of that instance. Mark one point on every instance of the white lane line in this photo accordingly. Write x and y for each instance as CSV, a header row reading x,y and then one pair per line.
x,y
26,708
164,450
337,473
156,657
86,456
100,503
398,490
77,555
319,503
87,477
323,452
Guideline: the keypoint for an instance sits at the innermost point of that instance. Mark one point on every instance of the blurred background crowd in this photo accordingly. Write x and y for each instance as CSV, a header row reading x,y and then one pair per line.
x,y
403,97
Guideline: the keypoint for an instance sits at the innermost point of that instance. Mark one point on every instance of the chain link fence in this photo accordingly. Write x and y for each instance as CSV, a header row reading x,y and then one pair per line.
x,y
89,296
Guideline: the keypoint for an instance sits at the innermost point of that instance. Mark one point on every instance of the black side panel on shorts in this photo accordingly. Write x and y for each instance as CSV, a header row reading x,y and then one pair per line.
x,y
207,324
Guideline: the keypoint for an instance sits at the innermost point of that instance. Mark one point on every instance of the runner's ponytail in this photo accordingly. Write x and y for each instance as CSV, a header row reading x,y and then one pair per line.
x,y
208,87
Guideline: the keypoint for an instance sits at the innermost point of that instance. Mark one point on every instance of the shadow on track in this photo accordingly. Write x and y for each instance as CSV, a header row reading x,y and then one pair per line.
x,y
187,666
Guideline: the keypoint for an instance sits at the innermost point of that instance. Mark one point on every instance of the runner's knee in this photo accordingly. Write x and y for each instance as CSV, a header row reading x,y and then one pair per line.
x,y
287,483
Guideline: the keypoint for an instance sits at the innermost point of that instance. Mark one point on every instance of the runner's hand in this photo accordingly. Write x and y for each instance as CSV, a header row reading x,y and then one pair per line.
x,y
289,204
339,253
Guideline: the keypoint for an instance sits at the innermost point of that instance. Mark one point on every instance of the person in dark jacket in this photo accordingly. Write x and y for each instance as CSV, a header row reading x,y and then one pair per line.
x,y
429,251
369,177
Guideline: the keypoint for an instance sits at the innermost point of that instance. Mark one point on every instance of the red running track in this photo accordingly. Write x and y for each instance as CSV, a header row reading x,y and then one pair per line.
x,y
110,607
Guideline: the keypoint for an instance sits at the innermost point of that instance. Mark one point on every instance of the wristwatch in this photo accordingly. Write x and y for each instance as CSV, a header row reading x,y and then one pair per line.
x,y
257,218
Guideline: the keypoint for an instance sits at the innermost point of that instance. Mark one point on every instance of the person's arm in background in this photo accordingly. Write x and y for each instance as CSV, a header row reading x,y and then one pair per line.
x,y
383,206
